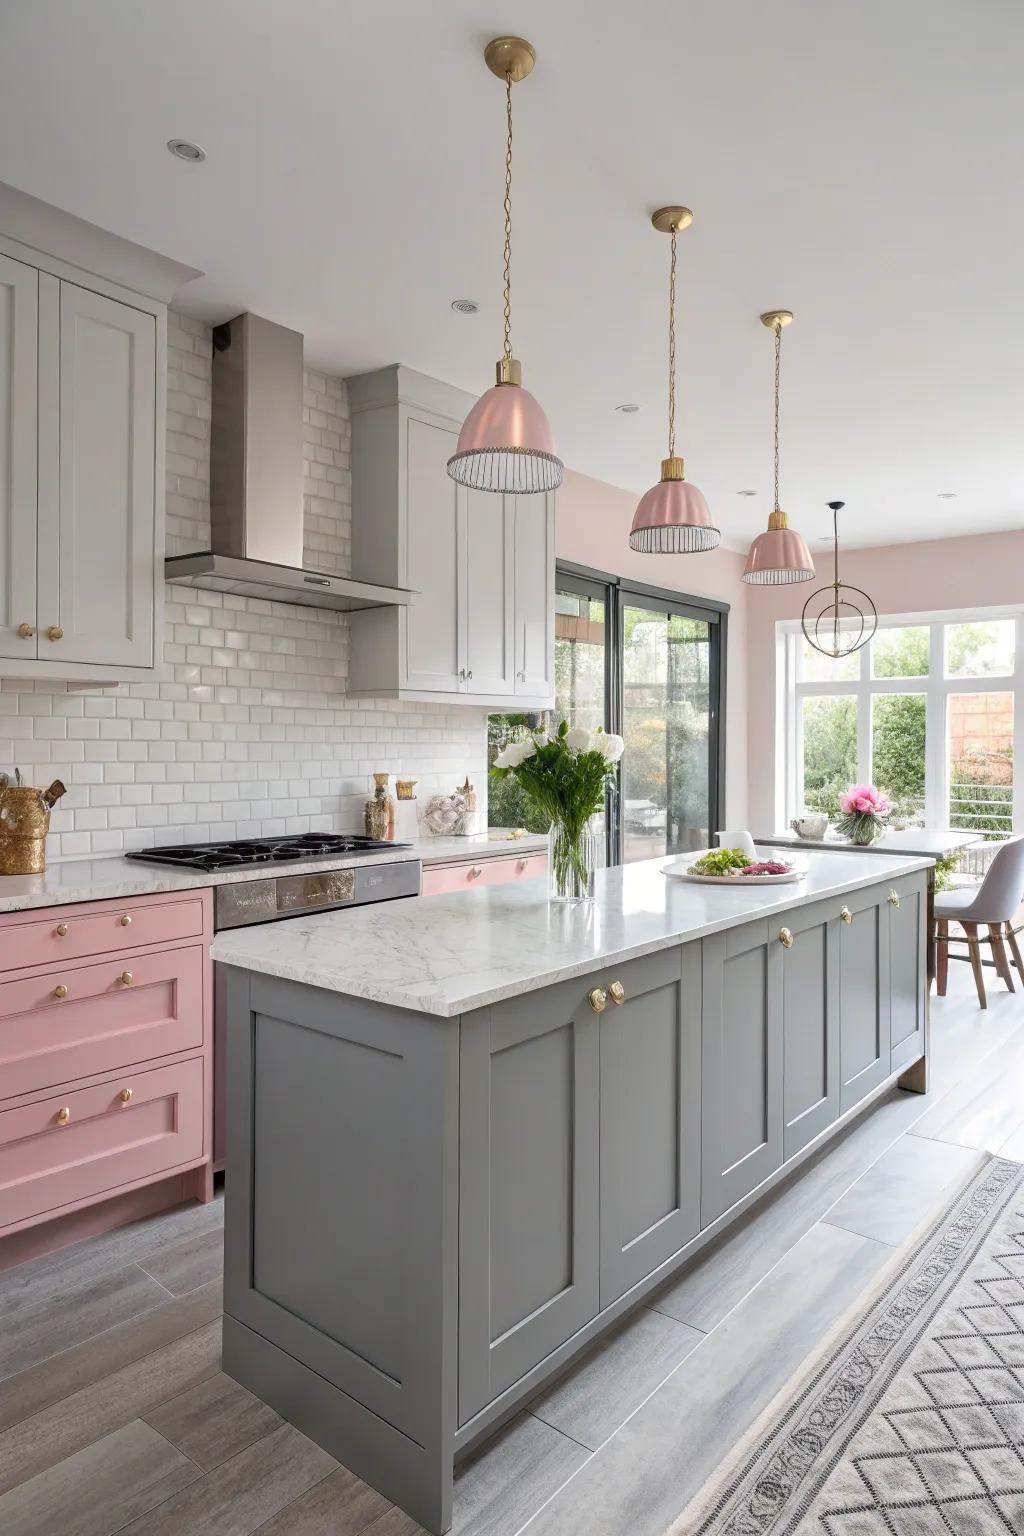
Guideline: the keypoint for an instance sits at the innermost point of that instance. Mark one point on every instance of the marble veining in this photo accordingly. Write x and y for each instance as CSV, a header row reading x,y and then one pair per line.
x,y
112,879
445,955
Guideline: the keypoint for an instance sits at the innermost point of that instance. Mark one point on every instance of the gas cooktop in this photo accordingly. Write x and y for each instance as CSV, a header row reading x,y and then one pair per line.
x,y
263,851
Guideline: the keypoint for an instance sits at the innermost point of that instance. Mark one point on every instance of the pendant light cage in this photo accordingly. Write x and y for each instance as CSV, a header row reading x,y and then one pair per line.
x,y
506,445
839,619
778,557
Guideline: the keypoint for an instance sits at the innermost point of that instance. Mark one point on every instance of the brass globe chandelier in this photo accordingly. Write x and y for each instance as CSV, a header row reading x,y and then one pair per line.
x,y
837,620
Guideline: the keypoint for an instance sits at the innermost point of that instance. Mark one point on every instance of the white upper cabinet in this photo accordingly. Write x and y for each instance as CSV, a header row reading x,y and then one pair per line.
x,y
83,339
19,290
480,627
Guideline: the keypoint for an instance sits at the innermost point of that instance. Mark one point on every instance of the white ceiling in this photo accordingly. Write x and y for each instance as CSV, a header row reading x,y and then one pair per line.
x,y
861,164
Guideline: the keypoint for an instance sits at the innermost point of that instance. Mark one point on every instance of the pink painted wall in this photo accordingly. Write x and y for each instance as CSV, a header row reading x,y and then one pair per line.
x,y
592,521
977,571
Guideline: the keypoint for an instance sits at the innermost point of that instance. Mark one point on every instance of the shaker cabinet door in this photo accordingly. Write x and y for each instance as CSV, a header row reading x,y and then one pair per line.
x,y
741,1064
433,643
650,1115
534,595
97,490
907,970
528,1186
487,532
810,1024
863,995
19,294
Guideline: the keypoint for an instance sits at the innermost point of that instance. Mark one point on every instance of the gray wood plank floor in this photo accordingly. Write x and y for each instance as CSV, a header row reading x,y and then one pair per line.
x,y
116,1417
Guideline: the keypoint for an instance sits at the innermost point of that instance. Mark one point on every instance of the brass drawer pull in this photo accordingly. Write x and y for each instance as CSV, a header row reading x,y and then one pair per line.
x,y
60,992
63,1115
54,632
25,631
846,915
520,865
125,1095
474,873
786,938
894,899
617,993
126,978
124,920
598,999
61,930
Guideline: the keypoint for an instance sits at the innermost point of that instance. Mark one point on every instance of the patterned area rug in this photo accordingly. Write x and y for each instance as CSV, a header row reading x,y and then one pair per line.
x,y
910,1421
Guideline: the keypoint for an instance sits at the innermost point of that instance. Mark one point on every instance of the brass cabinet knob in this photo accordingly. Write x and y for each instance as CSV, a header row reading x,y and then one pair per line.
x,y
124,920
126,978
61,930
846,915
63,1115
786,938
597,997
894,899
617,993
25,631
60,992
55,632
125,1095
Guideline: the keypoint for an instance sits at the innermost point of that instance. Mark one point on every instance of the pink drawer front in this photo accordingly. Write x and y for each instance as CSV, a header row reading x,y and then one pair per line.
x,y
443,878
80,1145
111,1014
64,935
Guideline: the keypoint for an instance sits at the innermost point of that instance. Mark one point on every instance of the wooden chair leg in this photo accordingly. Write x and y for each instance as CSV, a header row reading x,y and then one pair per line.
x,y
941,955
971,930
999,954
1011,939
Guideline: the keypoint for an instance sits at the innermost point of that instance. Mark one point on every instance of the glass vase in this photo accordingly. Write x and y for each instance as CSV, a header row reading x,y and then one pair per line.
x,y
866,830
573,859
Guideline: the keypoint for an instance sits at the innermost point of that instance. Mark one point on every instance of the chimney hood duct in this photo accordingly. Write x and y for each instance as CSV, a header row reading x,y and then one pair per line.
x,y
256,472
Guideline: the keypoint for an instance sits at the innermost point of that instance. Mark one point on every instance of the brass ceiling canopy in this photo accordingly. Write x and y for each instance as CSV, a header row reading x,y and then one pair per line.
x,y
777,318
510,58
672,219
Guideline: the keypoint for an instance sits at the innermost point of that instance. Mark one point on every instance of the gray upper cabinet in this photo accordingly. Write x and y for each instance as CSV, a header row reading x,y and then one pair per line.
x,y
906,902
480,624
19,307
82,426
864,995
528,1186
650,1115
741,1065
810,1015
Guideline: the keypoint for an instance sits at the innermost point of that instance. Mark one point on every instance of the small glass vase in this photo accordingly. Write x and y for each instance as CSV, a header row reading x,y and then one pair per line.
x,y
866,830
572,862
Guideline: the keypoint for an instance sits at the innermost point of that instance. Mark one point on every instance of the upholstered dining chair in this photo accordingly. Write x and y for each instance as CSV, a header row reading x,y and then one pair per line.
x,y
742,840
993,904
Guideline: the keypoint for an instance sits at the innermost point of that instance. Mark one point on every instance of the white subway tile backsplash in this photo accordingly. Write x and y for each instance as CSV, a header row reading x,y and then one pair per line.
x,y
253,734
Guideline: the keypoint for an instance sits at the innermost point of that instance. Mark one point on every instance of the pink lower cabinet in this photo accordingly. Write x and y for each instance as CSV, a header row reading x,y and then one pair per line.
x,y
440,879
105,1057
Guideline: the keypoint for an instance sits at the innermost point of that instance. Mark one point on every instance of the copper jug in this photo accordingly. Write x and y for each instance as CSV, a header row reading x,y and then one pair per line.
x,y
24,823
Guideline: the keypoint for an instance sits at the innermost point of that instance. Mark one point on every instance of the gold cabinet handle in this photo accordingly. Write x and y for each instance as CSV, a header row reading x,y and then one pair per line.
x,y
54,632
61,930
617,993
894,899
25,631
520,865
63,1115
786,938
124,920
60,992
126,978
846,915
597,997
475,872
125,1095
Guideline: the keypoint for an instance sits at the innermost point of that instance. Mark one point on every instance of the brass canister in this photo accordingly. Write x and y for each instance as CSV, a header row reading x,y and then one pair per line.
x,y
24,824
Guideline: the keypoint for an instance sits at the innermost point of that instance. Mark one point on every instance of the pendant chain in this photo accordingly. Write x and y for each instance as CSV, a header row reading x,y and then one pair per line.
x,y
778,365
672,352
508,219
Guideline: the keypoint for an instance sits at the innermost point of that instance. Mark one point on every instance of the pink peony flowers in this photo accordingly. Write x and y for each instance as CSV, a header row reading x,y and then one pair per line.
x,y
863,800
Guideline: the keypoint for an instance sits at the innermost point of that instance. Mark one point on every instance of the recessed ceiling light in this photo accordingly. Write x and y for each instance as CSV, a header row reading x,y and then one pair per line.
x,y
465,306
628,409
186,150
746,493
947,495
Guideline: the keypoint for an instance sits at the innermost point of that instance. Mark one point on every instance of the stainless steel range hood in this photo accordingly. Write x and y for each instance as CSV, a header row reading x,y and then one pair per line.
x,y
256,473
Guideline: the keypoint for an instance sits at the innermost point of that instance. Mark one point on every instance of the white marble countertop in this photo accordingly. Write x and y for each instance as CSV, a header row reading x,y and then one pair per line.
x,y
911,840
446,955
112,879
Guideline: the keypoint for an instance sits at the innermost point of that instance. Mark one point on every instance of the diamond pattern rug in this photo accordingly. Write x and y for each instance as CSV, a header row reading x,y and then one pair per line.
x,y
910,1422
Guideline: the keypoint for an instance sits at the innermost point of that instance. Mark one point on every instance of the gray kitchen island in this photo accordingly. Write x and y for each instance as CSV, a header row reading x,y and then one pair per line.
x,y
465,1134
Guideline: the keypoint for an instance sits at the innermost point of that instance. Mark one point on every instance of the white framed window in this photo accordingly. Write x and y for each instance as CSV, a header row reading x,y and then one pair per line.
x,y
931,710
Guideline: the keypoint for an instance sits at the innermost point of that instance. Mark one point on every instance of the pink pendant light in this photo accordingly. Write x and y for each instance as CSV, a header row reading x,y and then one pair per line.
x,y
780,556
673,517
506,443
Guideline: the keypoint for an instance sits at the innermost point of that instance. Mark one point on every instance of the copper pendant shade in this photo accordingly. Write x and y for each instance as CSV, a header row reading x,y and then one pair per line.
x,y
778,557
506,443
672,518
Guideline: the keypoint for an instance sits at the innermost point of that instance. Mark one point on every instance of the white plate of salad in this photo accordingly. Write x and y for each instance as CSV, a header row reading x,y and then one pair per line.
x,y
731,866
